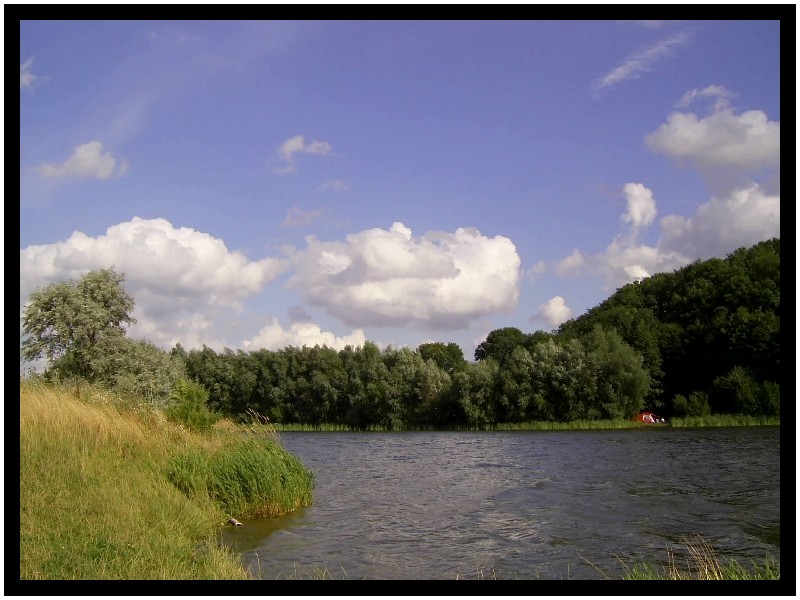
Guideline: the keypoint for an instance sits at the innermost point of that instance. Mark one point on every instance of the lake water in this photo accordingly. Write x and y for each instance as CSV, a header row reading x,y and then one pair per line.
x,y
520,505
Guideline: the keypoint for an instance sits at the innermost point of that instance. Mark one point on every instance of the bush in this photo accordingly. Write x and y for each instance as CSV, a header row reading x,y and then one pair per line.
x,y
698,405
680,406
737,392
771,399
188,406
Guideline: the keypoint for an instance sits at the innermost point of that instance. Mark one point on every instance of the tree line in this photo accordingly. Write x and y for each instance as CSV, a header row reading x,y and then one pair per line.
x,y
702,339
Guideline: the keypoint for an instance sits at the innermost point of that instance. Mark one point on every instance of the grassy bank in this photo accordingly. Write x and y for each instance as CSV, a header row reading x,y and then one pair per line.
x,y
109,489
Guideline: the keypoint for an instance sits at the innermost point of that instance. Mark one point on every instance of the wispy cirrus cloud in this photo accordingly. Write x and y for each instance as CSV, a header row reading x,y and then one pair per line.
x,y
333,185
652,24
721,93
297,216
641,62
26,78
297,145
87,160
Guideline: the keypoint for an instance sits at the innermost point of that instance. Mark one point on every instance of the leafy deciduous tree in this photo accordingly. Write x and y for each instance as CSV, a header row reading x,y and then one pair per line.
x,y
499,344
67,320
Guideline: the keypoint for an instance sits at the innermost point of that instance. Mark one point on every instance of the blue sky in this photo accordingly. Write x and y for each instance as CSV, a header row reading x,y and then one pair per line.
x,y
264,184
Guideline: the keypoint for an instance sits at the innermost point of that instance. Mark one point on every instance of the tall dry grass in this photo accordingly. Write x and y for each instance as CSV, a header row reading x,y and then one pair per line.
x,y
701,562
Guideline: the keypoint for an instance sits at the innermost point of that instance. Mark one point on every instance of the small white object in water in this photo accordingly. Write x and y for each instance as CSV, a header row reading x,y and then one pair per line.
x,y
233,521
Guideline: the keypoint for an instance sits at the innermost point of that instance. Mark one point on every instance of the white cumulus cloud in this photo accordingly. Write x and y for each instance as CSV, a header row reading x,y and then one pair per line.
x,y
274,337
744,217
570,265
641,206
728,149
87,160
181,279
554,312
718,227
746,142
298,145
391,278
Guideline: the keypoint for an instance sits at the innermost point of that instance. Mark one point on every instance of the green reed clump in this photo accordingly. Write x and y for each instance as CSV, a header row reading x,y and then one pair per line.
x,y
725,421
251,477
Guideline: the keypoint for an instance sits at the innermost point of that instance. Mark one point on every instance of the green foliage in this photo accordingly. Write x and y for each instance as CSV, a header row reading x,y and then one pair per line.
x,y
622,380
430,386
69,319
698,323
680,405
78,326
252,477
474,387
563,380
517,397
448,357
698,406
401,400
771,399
537,337
637,326
189,406
367,386
737,392
499,344
136,368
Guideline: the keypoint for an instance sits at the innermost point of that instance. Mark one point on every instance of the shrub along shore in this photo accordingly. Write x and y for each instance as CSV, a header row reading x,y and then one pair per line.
x,y
112,489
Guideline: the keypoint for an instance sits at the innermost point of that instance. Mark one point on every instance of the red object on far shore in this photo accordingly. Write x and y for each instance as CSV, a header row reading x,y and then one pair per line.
x,y
648,417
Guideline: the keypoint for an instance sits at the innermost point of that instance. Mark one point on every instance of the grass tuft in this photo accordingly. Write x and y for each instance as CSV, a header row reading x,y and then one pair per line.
x,y
702,563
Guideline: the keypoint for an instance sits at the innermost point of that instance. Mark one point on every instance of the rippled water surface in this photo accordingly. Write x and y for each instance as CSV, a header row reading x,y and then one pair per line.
x,y
548,505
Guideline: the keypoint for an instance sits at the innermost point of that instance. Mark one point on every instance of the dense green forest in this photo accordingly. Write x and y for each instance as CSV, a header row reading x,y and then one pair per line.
x,y
704,339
